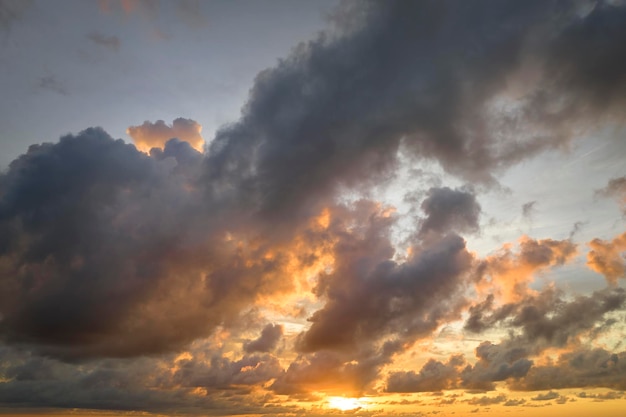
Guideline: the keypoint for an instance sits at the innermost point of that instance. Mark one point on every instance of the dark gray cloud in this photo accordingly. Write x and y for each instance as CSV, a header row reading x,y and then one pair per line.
x,y
547,319
535,324
449,210
270,336
434,376
52,83
496,362
102,244
163,384
577,369
111,42
616,188
610,395
338,108
373,306
484,400
368,295
551,395
528,209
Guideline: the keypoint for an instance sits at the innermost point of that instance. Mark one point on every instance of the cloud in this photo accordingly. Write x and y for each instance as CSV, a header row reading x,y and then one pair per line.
x,y
607,258
535,324
111,42
434,376
551,395
51,83
154,135
484,401
578,369
332,372
118,239
270,336
449,210
508,274
611,395
528,209
513,402
12,11
495,363
369,296
306,145
546,319
188,383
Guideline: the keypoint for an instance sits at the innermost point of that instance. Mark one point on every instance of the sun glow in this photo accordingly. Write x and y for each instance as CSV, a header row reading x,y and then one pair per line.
x,y
345,404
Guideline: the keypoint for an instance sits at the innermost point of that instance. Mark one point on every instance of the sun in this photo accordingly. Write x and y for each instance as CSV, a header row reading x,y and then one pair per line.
x,y
345,404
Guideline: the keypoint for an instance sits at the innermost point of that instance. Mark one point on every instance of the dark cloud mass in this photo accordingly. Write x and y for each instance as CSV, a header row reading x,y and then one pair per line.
x,y
267,341
448,209
115,255
102,245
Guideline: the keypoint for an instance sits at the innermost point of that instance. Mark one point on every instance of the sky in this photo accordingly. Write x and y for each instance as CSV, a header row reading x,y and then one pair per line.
x,y
312,208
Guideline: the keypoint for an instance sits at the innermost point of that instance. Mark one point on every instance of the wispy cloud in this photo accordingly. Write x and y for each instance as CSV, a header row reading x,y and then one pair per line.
x,y
111,42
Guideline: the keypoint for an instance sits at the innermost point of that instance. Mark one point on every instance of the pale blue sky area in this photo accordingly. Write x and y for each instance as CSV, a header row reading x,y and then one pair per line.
x,y
70,64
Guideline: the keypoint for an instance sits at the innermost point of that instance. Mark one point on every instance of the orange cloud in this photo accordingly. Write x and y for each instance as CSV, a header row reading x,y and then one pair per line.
x,y
508,273
607,258
154,135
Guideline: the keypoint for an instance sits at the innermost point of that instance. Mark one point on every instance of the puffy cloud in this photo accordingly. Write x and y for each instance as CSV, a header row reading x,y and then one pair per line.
x,y
513,402
495,363
487,400
449,210
336,111
270,335
534,324
217,372
607,258
369,296
154,135
611,395
434,376
547,319
507,273
188,383
578,369
102,244
551,395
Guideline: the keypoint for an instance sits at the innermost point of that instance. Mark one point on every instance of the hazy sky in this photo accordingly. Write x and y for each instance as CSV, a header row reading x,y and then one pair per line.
x,y
312,208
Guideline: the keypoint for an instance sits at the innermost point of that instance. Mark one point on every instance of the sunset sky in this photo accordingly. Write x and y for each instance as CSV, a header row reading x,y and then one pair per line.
x,y
312,208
